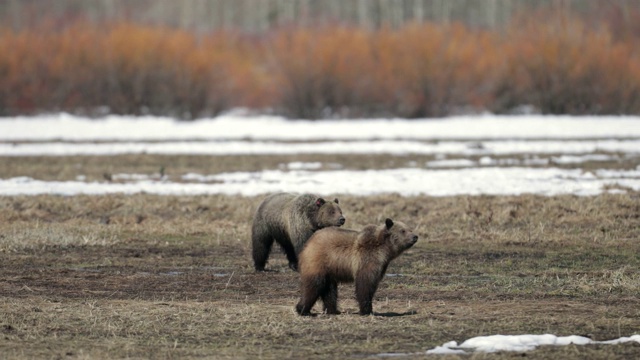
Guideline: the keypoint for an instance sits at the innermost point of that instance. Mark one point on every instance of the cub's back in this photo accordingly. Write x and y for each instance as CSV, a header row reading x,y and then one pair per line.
x,y
331,251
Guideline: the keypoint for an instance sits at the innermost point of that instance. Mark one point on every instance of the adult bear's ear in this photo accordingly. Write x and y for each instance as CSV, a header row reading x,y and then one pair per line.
x,y
336,201
320,202
388,223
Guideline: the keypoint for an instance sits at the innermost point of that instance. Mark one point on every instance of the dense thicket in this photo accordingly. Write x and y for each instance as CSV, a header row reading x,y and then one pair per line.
x,y
415,70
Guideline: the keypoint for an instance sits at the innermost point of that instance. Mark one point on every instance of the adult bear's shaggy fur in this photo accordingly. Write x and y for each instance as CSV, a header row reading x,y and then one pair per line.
x,y
290,220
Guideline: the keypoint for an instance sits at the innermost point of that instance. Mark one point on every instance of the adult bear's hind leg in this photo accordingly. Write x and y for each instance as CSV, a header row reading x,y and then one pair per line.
x,y
290,252
261,241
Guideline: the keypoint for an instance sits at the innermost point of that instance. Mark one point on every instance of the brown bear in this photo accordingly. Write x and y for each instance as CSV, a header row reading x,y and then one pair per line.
x,y
335,255
290,220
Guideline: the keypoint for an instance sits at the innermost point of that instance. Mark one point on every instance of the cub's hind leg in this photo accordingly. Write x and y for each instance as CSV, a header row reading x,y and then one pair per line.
x,y
311,288
330,297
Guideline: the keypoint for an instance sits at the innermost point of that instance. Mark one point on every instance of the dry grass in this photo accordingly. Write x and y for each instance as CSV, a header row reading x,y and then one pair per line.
x,y
170,277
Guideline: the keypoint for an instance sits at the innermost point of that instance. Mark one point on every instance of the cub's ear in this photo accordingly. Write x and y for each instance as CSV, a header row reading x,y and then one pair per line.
x,y
336,201
388,223
320,202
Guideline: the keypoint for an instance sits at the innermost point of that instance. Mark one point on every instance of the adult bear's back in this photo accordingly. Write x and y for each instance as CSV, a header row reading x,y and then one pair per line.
x,y
290,220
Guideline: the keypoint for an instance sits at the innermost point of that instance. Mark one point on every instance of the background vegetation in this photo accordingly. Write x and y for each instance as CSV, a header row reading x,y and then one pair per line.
x,y
431,59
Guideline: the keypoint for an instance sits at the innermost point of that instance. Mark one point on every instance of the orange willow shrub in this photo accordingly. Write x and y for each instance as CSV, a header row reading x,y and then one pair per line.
x,y
130,69
322,72
565,68
434,70
23,70
419,70
174,72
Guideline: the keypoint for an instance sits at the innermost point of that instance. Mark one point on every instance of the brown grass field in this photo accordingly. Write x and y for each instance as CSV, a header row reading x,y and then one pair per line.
x,y
145,276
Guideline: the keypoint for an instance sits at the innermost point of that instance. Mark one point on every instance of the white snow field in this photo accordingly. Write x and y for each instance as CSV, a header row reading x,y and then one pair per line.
x,y
469,154
235,127
471,181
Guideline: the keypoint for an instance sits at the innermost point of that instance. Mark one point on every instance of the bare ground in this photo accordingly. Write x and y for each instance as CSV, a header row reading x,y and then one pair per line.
x,y
170,277
101,168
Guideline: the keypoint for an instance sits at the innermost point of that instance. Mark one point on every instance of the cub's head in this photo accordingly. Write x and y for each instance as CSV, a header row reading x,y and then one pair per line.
x,y
399,236
328,213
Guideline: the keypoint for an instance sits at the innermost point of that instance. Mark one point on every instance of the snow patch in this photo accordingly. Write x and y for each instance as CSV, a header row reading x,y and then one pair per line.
x,y
451,163
519,343
406,181
297,165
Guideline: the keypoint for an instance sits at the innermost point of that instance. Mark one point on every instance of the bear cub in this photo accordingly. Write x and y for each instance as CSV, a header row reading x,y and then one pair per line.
x,y
290,220
334,255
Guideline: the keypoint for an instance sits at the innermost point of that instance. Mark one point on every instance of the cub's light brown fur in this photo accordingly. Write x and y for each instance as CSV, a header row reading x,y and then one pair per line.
x,y
334,255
